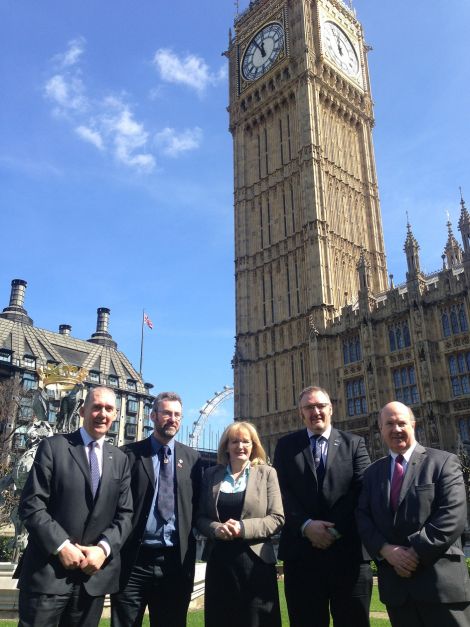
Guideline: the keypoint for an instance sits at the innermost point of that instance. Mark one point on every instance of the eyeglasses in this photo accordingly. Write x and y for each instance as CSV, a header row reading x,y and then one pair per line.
x,y
312,406
170,414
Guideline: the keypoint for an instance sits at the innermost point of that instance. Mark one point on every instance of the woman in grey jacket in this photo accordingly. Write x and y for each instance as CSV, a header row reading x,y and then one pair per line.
x,y
240,510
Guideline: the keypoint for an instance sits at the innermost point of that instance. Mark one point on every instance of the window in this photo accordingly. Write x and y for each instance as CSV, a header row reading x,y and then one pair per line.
x,y
5,355
19,440
113,380
399,335
459,369
352,350
131,431
404,382
464,430
94,376
454,320
26,408
114,428
132,405
131,384
29,381
29,361
356,397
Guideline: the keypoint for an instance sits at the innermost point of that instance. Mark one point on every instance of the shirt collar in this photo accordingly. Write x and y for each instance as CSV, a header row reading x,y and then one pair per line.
x,y
406,455
86,437
326,433
157,446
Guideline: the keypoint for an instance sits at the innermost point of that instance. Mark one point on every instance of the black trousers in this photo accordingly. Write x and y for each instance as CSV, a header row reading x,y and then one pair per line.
x,y
419,614
74,609
317,584
158,582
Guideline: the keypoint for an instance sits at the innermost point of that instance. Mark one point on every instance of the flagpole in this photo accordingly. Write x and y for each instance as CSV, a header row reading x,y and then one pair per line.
x,y
142,343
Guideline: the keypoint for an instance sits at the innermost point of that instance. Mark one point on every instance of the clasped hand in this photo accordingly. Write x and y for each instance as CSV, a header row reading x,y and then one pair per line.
x,y
404,559
317,532
88,558
229,530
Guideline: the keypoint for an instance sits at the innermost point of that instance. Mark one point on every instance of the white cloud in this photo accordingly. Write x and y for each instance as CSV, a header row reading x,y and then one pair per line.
x,y
127,135
67,92
91,136
76,47
173,143
191,70
107,124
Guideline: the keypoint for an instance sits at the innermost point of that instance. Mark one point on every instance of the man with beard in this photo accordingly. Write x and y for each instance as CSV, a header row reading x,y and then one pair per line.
x,y
159,557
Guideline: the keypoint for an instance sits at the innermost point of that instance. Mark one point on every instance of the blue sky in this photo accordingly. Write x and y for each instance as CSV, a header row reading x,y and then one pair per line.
x,y
116,165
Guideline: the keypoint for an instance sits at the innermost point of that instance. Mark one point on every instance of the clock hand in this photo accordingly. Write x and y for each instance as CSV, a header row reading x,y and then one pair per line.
x,y
260,47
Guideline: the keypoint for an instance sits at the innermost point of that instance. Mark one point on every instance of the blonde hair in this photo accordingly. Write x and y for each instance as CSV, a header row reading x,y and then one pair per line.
x,y
258,455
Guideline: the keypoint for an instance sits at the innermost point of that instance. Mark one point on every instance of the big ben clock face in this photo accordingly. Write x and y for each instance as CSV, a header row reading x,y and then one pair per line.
x,y
339,49
262,51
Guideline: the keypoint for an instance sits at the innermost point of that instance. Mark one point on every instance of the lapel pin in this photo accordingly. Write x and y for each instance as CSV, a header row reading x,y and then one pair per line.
x,y
180,463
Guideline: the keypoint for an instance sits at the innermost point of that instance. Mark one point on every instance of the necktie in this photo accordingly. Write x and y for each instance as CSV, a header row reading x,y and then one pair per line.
x,y
94,468
397,481
166,493
318,458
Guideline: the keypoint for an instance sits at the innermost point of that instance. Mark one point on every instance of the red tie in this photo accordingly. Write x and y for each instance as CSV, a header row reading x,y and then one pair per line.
x,y
397,481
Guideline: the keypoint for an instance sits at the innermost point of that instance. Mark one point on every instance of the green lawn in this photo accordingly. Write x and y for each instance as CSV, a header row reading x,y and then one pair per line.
x,y
196,619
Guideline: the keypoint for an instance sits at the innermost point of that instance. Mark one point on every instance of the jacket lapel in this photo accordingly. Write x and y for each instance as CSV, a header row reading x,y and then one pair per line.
x,y
307,451
219,474
147,461
334,445
384,483
77,451
106,469
251,493
415,462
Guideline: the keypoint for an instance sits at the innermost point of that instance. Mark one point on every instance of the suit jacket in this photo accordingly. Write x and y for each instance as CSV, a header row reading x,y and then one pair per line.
x,y
57,504
431,517
188,473
347,459
262,512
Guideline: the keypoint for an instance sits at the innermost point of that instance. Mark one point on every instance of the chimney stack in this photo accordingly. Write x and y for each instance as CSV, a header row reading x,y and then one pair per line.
x,y
65,329
15,310
101,335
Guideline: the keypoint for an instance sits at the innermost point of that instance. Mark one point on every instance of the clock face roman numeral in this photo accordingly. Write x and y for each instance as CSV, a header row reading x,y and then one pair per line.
x,y
262,51
339,49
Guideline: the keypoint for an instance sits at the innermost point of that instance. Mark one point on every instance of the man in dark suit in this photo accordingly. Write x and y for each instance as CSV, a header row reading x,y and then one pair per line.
x,y
77,508
411,515
320,472
158,559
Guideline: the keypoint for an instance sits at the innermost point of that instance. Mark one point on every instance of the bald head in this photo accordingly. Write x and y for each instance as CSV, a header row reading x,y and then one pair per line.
x,y
397,426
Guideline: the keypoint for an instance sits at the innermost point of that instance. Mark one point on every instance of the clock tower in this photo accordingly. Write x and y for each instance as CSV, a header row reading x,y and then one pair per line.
x,y
306,200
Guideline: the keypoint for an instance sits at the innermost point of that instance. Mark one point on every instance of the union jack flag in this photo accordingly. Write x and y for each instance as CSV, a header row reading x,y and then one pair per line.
x,y
147,321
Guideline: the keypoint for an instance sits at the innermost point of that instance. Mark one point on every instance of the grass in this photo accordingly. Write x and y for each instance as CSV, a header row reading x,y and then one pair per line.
x,y
196,619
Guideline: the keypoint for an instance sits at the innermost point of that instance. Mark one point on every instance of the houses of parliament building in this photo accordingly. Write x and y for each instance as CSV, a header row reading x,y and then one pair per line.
x,y
314,302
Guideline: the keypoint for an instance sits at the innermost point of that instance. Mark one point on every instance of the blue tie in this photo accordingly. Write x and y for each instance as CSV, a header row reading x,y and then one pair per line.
x,y
318,458
166,492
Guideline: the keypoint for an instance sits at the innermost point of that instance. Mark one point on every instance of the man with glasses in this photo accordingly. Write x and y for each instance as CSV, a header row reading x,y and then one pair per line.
x,y
320,473
158,559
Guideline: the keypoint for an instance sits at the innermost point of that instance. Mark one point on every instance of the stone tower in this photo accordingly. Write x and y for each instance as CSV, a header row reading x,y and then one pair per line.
x,y
306,199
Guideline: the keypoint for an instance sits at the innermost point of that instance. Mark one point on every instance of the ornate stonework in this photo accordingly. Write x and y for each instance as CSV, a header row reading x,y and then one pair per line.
x,y
313,301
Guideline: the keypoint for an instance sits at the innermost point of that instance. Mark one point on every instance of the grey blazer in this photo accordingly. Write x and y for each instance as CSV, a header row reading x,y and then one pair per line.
x,y
431,517
262,513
